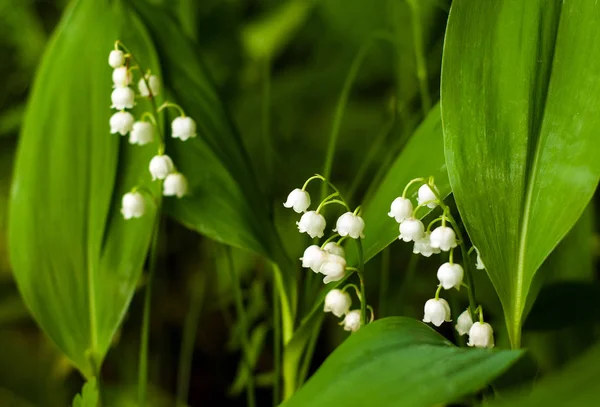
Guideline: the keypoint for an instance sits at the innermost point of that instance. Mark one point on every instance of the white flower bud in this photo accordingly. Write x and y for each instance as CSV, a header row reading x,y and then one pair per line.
x,y
481,335
351,225
437,311
116,58
464,323
334,268
298,200
175,185
479,264
121,122
142,133
312,223
423,246
352,321
425,194
121,77
443,238
334,248
337,302
161,166
154,85
183,127
313,258
450,275
122,98
401,209
133,205
412,229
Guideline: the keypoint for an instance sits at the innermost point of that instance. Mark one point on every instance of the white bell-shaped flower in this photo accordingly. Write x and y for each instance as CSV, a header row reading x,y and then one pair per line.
x,y
450,275
352,321
121,122
175,185
298,200
313,258
351,225
312,223
334,248
161,166
122,98
425,194
401,209
116,58
142,133
481,335
334,268
337,302
133,205
479,264
412,229
464,323
437,311
121,77
443,238
154,83
183,127
423,246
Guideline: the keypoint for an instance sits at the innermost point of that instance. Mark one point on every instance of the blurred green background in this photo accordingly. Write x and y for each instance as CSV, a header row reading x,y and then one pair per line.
x,y
298,52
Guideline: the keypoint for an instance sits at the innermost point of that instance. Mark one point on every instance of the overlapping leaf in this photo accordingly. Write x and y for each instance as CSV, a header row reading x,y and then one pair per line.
x,y
75,259
521,125
400,362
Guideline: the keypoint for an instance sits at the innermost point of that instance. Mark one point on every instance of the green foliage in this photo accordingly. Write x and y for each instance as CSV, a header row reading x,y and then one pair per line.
x,y
576,385
89,395
400,362
74,259
423,156
520,134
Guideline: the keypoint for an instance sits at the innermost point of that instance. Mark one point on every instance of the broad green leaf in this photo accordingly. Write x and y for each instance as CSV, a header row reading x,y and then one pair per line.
x,y
225,202
576,385
88,396
423,156
520,124
75,260
399,361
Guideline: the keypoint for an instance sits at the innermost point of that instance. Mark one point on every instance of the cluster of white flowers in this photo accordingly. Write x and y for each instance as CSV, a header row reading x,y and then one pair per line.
x,y
328,259
450,274
144,132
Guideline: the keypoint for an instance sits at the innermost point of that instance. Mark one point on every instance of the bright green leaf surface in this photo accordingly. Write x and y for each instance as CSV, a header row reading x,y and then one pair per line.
x,y
521,125
75,259
399,361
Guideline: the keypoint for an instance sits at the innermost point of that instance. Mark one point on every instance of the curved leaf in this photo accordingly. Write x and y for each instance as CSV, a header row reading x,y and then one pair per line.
x,y
75,259
423,156
399,361
225,202
520,117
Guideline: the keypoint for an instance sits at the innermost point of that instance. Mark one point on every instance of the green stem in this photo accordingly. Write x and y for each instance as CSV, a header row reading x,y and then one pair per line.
x,y
276,347
310,350
190,329
241,311
420,56
361,268
145,333
463,250
266,118
343,102
384,281
370,157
